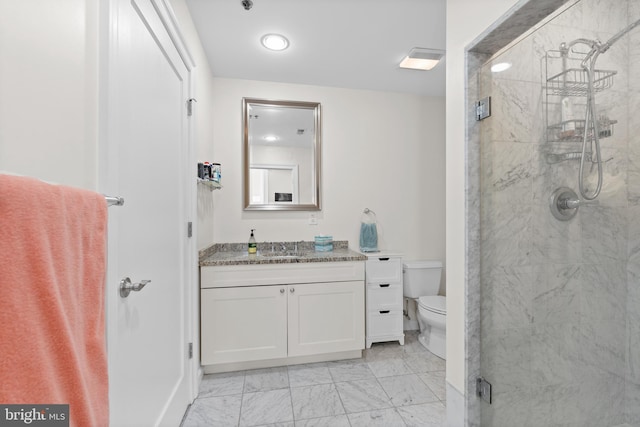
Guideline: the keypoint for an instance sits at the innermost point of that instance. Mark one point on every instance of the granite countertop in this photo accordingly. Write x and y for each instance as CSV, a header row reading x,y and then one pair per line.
x,y
236,253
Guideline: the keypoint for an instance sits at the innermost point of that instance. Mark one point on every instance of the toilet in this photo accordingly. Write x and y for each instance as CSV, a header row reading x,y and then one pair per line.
x,y
421,283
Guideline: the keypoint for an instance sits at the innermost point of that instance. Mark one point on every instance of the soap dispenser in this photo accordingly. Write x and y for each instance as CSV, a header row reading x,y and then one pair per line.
x,y
253,247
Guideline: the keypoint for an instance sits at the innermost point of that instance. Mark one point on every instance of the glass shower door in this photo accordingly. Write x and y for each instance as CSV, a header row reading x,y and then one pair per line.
x,y
560,300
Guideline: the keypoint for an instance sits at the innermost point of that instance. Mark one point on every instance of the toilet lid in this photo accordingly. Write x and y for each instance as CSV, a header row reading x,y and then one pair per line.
x,y
423,264
437,303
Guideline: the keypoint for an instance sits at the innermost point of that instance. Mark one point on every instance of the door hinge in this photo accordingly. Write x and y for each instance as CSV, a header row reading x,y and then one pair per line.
x,y
483,108
189,229
190,102
190,350
483,389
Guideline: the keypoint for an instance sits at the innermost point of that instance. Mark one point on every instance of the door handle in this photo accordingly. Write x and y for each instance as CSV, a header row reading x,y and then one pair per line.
x,y
126,286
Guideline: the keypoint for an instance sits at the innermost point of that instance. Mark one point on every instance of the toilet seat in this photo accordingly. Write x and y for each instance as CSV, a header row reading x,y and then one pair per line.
x,y
434,303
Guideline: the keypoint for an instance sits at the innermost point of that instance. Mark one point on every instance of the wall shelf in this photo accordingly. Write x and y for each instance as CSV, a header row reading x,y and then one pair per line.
x,y
212,185
574,82
567,82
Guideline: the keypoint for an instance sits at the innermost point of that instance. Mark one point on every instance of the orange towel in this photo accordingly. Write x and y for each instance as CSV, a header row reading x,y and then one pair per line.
x,y
52,313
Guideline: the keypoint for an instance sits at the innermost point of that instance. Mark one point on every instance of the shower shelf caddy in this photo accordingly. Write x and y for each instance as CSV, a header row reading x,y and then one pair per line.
x,y
211,185
566,79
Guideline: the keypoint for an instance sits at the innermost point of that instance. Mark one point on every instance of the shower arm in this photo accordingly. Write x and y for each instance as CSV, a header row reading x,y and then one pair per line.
x,y
596,44
603,48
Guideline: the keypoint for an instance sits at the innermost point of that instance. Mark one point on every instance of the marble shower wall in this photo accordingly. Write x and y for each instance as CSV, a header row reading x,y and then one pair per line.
x,y
560,301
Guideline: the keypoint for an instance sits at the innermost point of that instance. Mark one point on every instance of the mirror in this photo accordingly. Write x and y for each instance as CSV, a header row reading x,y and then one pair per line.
x,y
281,155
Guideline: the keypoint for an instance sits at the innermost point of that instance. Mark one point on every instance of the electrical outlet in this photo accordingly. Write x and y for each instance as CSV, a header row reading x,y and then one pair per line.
x,y
313,220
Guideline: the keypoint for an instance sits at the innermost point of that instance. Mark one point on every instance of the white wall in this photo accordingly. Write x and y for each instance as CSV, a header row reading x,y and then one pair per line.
x,y
466,20
49,90
381,150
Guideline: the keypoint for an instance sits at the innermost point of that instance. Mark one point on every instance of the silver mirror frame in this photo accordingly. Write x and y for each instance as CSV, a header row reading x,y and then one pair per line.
x,y
316,107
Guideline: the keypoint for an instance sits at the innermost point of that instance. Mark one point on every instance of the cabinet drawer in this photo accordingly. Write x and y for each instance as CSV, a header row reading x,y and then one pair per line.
x,y
384,322
384,270
384,296
226,276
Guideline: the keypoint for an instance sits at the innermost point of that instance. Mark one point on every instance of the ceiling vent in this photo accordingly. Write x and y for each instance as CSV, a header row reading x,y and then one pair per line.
x,y
423,59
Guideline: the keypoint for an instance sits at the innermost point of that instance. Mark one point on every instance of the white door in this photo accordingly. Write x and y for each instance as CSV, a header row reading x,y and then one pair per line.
x,y
147,148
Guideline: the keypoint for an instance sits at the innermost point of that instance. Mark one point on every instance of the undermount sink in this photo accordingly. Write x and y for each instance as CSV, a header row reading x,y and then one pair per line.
x,y
287,254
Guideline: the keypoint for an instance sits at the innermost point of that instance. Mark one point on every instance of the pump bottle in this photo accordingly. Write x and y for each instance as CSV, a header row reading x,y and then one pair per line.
x,y
253,247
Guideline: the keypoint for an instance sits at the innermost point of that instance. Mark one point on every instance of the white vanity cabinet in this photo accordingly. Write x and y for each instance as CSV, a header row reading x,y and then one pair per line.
x,y
276,314
384,298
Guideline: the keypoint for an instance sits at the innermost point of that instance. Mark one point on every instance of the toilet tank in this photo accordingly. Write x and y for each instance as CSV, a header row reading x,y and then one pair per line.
x,y
421,278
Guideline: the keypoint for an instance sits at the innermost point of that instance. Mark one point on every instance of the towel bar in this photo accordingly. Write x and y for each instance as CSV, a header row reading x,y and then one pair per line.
x,y
114,201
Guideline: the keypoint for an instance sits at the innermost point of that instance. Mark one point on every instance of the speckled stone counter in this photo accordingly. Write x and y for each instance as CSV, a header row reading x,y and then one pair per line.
x,y
272,253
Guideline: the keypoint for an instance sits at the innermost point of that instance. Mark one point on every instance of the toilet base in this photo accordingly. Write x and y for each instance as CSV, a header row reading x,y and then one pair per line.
x,y
434,342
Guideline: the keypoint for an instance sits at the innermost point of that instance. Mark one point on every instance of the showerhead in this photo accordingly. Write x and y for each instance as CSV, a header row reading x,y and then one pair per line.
x,y
565,47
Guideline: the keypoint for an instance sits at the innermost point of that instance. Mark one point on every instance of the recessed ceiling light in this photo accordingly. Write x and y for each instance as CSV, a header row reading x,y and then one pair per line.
x,y
271,138
500,66
275,42
422,59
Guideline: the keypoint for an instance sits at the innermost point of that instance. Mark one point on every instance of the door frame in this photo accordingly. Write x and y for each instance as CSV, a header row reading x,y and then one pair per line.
x,y
266,168
108,181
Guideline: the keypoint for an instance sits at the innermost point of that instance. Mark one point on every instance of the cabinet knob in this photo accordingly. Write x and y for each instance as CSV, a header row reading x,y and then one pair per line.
x,y
292,290
282,290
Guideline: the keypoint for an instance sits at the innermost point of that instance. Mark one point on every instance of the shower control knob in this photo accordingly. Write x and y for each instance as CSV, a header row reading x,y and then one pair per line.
x,y
564,203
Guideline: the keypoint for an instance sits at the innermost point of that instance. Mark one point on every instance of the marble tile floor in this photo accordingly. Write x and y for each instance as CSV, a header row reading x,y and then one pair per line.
x,y
392,385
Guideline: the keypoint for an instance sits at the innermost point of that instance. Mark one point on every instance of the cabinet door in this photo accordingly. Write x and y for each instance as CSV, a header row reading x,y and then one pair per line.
x,y
243,324
326,317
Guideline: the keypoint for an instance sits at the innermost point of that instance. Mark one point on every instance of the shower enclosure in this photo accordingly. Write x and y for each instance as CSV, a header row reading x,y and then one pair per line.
x,y
560,222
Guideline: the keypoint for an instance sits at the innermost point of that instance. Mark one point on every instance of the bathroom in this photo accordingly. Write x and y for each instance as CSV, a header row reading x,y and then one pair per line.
x,y
365,134
58,150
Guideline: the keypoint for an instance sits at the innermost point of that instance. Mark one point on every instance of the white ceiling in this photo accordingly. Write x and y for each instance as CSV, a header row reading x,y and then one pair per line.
x,y
294,127
355,44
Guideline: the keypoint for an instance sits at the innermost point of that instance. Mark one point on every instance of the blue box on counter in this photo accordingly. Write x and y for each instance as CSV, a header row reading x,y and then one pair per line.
x,y
323,243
